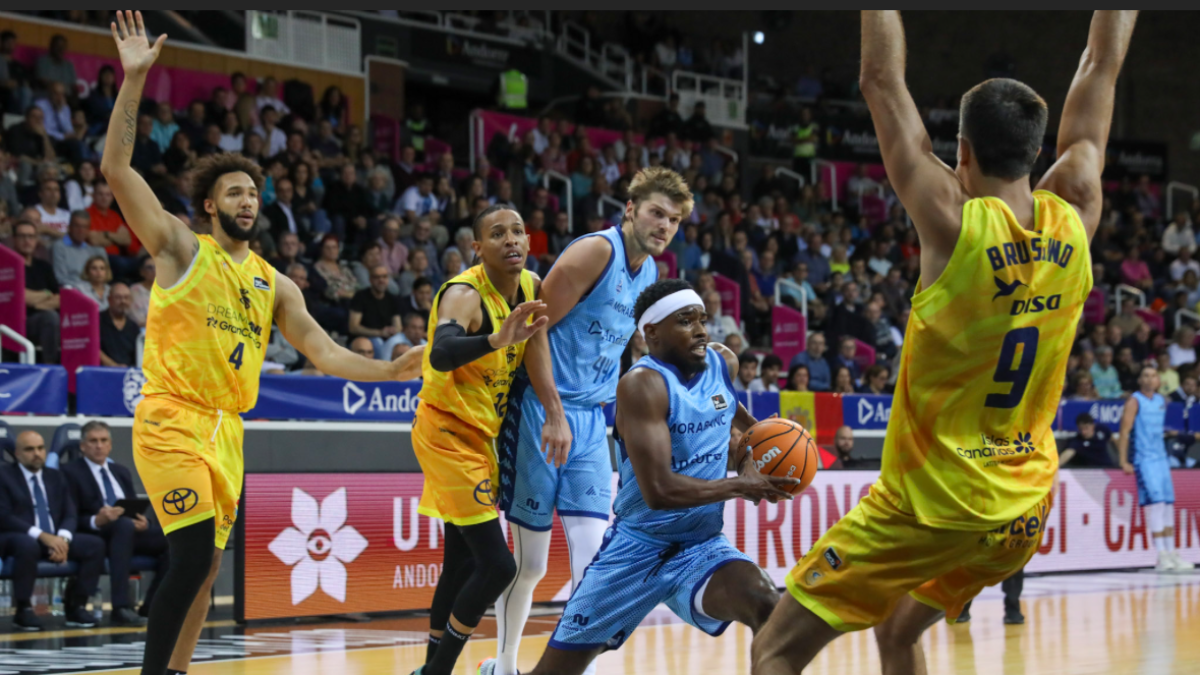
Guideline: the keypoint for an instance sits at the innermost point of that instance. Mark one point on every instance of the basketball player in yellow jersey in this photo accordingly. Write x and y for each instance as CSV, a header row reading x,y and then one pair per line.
x,y
478,327
211,311
969,459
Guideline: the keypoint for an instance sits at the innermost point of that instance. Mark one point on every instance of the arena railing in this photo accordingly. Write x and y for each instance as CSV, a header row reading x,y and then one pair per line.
x,y
546,176
784,171
1180,315
1175,186
817,164
725,99
28,354
780,283
305,38
1126,288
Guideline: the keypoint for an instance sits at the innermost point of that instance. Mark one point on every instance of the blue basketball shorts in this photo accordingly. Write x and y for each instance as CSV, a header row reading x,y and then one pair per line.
x,y
630,576
531,489
1154,483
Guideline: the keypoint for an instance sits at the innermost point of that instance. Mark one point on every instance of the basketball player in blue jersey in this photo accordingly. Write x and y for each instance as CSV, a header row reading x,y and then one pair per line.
x,y
676,414
1143,420
572,371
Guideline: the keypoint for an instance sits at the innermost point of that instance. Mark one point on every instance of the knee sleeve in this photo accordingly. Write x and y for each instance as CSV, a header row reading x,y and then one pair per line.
x,y
191,553
584,538
495,569
532,554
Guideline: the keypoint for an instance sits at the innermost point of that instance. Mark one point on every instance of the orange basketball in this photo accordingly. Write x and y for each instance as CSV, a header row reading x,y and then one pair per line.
x,y
783,448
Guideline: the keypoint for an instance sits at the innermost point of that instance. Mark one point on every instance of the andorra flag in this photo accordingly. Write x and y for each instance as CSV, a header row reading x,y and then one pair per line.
x,y
820,413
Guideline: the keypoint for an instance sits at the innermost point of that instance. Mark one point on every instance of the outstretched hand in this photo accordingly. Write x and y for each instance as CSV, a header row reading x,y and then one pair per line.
x,y
137,54
516,329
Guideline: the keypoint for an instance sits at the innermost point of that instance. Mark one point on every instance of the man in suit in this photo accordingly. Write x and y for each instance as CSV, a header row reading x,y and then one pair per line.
x,y
97,483
282,217
37,521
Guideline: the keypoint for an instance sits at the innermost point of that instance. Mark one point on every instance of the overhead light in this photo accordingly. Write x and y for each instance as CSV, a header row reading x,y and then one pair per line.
x,y
758,37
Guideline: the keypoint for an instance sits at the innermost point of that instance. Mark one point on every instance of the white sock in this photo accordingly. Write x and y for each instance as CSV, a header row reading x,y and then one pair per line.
x,y
1154,517
584,537
1168,516
532,551
1160,543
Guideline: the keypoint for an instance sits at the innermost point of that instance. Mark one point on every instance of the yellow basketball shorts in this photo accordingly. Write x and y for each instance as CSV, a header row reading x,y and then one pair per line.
x,y
459,463
190,460
855,574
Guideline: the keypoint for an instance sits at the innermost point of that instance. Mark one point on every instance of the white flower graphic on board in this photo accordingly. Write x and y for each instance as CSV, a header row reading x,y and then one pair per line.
x,y
320,545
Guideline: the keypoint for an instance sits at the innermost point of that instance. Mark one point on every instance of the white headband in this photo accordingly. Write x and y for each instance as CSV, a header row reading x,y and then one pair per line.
x,y
668,306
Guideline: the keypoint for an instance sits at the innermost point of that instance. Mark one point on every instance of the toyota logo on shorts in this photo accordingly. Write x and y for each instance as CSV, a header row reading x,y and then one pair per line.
x,y
179,502
483,493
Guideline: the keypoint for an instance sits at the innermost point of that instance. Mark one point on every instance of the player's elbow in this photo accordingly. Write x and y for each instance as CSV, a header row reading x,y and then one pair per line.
x,y
873,79
440,358
661,497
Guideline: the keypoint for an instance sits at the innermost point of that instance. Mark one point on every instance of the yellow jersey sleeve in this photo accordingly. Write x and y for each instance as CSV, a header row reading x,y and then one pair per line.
x,y
970,443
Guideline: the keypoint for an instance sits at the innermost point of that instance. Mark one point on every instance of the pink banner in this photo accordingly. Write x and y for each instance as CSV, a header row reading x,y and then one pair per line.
x,y
672,264
80,316
731,297
12,294
1094,306
864,355
789,329
501,123
318,544
180,86
386,136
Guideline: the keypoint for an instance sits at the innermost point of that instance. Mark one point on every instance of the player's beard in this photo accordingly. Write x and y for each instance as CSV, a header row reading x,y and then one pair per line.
x,y
230,227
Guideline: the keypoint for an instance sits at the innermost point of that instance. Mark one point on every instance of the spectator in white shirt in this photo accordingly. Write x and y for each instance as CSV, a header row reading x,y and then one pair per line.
x,y
417,200
276,140
719,326
1183,350
769,381
541,135
1183,263
879,262
862,184
747,372
54,220
1179,237
269,96
231,133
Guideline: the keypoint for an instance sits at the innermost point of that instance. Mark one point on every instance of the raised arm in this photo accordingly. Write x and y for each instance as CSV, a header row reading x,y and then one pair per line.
x,y
573,274
1087,116
642,407
302,332
929,190
166,238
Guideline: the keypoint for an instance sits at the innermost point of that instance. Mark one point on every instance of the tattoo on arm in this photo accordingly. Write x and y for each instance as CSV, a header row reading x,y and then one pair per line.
x,y
130,134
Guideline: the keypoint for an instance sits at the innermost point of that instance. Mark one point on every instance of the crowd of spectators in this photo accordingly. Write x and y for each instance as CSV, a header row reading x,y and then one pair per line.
x,y
370,239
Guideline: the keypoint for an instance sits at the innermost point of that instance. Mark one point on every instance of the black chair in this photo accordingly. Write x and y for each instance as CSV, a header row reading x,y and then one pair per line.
x,y
8,442
64,447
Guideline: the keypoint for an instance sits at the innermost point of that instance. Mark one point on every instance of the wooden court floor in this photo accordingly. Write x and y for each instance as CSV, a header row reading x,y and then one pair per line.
x,y
1135,623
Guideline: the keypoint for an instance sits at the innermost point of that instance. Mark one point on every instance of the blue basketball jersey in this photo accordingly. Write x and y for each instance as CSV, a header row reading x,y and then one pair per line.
x,y
587,343
700,417
1147,443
